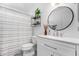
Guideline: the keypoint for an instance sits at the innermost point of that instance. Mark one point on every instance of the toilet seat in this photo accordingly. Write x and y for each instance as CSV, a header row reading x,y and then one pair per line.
x,y
27,46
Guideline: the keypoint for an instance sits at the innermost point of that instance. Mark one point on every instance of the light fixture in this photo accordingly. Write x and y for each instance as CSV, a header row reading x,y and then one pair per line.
x,y
53,4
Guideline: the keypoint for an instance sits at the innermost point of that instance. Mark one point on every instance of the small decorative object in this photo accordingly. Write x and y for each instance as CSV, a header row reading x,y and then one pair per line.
x,y
45,29
37,18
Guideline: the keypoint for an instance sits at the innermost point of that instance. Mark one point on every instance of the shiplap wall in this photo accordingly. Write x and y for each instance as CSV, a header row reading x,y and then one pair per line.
x,y
15,30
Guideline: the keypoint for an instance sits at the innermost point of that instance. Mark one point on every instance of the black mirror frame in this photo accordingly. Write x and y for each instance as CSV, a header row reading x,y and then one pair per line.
x,y
67,25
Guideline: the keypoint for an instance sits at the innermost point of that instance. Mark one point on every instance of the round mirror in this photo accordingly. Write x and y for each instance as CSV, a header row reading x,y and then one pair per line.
x,y
60,18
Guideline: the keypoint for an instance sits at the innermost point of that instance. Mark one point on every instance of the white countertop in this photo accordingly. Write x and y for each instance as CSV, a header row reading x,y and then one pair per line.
x,y
63,39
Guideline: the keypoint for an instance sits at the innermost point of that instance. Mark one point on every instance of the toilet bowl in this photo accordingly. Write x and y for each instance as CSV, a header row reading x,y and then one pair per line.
x,y
28,49
34,40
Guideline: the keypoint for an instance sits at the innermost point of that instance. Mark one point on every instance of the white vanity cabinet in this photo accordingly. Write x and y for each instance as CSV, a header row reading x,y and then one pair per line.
x,y
49,47
42,50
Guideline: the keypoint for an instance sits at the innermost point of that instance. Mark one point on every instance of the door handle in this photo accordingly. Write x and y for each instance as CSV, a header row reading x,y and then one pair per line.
x,y
50,47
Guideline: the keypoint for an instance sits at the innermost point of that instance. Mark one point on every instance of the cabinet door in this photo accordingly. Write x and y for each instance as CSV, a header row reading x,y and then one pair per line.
x,y
43,50
55,48
56,54
60,48
77,51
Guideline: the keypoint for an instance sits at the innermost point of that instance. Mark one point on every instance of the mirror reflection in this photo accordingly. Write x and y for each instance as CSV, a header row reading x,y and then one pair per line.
x,y
60,18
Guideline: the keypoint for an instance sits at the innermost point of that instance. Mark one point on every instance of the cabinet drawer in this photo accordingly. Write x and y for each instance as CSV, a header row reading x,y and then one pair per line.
x,y
59,47
52,42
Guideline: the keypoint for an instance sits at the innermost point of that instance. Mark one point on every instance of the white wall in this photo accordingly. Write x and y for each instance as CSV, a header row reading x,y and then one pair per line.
x,y
73,30
29,9
38,30
15,30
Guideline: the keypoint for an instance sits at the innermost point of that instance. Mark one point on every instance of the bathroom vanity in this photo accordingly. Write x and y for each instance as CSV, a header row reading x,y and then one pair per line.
x,y
60,18
57,46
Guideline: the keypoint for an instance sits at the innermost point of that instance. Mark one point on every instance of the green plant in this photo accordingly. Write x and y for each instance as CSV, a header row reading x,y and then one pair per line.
x,y
37,13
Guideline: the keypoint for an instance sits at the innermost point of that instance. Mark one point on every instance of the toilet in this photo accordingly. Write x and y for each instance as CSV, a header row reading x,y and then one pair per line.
x,y
28,49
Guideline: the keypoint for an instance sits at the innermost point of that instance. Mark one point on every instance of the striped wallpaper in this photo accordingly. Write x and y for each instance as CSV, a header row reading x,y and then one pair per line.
x,y
15,30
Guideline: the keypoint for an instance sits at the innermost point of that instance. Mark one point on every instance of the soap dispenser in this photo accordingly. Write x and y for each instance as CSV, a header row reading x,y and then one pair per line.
x,y
53,33
61,34
57,33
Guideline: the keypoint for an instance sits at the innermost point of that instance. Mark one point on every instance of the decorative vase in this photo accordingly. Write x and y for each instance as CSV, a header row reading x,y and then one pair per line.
x,y
45,29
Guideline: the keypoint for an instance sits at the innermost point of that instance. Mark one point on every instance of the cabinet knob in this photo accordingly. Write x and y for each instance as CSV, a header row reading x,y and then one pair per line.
x,y
52,55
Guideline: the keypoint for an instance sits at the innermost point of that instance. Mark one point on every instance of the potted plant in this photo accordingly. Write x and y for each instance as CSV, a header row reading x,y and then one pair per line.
x,y
37,13
37,16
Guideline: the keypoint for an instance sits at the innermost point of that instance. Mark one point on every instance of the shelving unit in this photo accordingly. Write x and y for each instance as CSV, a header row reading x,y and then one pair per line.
x,y
36,24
